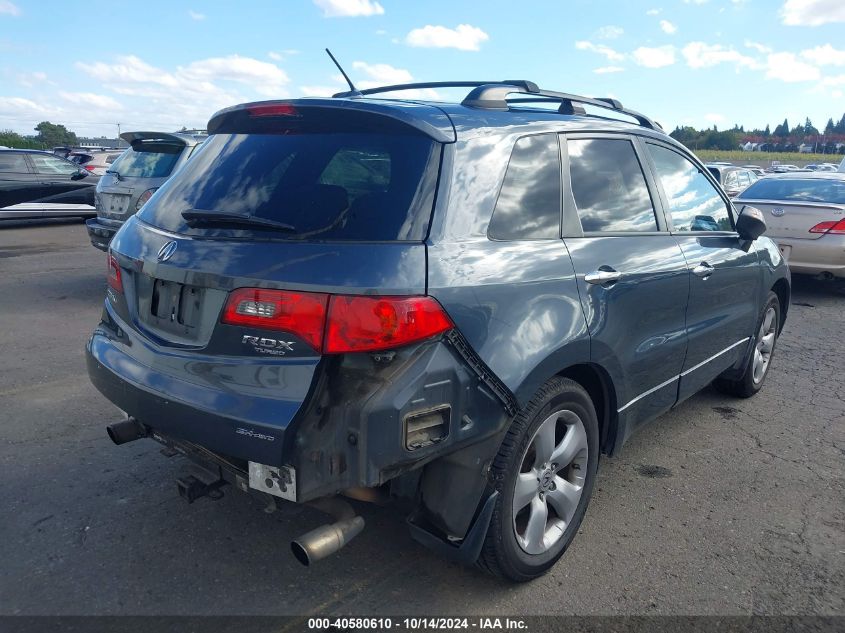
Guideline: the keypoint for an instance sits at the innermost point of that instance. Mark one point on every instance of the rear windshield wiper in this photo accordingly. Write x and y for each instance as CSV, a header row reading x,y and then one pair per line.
x,y
114,171
199,216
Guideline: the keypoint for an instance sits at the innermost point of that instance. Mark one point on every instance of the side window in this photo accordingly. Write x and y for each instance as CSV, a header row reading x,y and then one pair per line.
x,y
694,203
54,166
528,207
609,187
732,180
13,162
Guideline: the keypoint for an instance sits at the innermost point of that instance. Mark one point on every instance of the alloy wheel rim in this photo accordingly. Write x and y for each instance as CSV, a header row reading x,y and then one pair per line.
x,y
765,346
550,483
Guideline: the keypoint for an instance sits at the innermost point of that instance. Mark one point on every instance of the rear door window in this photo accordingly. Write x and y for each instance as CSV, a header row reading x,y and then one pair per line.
x,y
148,160
529,201
327,186
609,187
13,163
694,203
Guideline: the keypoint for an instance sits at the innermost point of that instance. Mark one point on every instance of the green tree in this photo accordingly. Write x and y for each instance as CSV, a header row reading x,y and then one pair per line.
x,y
53,135
830,127
9,138
809,128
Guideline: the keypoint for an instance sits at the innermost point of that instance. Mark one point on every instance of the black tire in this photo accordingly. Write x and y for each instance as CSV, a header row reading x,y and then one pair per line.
x,y
746,386
502,554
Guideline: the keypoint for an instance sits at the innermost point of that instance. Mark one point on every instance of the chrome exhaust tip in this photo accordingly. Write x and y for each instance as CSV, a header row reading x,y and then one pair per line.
x,y
325,540
126,431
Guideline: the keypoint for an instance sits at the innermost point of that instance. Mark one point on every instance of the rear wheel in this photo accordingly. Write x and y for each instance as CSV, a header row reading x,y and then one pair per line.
x,y
544,473
757,366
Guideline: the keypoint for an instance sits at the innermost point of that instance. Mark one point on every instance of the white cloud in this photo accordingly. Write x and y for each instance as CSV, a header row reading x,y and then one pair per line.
x,y
349,8
812,12
668,27
653,12
837,80
91,99
196,16
319,91
601,49
825,55
464,37
787,67
9,8
696,1
609,32
760,48
28,80
387,75
608,69
656,57
701,55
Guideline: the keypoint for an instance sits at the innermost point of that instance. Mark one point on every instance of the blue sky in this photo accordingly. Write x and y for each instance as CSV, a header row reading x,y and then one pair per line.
x,y
92,64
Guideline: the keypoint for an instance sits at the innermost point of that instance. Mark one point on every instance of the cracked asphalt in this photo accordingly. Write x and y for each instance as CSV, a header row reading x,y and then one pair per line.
x,y
722,506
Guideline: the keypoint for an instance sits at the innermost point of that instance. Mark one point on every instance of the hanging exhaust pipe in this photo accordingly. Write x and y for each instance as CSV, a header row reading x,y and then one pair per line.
x,y
126,431
328,539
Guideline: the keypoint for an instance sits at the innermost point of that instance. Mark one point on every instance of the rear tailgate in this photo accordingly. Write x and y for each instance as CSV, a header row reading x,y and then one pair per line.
x,y
232,389
792,219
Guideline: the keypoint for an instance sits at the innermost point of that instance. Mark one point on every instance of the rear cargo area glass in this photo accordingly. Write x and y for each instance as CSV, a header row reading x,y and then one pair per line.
x,y
326,186
148,160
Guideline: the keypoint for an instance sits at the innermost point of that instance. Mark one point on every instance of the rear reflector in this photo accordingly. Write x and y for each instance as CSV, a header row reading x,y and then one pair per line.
x,y
338,324
272,109
114,278
832,227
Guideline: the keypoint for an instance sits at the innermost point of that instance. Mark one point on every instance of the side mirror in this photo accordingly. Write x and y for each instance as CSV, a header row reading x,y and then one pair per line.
x,y
750,224
79,175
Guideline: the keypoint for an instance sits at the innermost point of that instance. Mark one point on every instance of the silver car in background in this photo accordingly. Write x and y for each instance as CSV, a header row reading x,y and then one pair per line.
x,y
95,161
805,215
135,176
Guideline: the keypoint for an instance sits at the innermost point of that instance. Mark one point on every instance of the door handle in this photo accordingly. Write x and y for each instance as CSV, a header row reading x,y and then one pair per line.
x,y
602,277
703,270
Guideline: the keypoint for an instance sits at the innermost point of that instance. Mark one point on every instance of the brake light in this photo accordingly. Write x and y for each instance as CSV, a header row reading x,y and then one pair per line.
x,y
113,276
90,168
300,313
832,227
272,109
366,324
337,324
142,199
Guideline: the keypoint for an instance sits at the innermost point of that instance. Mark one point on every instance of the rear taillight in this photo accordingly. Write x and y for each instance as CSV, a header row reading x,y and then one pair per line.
x,y
90,168
338,324
142,199
832,227
366,324
114,277
300,313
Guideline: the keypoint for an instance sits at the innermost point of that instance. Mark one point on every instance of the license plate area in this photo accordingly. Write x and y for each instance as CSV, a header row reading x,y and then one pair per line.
x,y
175,307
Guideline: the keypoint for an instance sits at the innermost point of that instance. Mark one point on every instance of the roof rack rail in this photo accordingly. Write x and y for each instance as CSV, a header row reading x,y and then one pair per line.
x,y
527,86
493,95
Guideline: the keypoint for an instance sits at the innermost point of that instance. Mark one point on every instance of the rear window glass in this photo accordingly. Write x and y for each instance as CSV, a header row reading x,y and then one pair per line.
x,y
340,186
148,160
800,190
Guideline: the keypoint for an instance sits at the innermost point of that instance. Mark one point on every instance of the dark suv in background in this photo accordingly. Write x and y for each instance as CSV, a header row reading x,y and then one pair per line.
x,y
454,306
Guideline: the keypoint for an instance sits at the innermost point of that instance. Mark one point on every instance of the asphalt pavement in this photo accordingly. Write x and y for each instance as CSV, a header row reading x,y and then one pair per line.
x,y
722,506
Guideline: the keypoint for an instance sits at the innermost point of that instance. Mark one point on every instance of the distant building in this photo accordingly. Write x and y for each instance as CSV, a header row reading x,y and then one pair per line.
x,y
101,141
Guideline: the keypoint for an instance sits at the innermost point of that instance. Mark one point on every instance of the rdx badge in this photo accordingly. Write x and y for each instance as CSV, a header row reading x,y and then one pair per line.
x,y
268,345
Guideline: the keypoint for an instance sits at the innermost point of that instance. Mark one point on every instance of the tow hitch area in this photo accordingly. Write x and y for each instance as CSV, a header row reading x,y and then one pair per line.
x,y
199,482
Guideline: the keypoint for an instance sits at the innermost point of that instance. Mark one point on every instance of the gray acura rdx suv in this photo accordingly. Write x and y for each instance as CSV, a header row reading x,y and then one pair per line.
x,y
457,307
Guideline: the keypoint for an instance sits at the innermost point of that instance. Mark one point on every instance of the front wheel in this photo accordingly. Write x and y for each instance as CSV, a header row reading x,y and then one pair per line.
x,y
544,472
757,365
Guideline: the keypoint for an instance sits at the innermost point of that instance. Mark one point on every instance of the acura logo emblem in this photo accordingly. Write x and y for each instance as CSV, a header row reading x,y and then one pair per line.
x,y
166,251
778,211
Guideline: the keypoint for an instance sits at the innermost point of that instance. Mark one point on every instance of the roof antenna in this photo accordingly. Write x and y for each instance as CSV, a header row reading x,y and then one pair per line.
x,y
353,91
